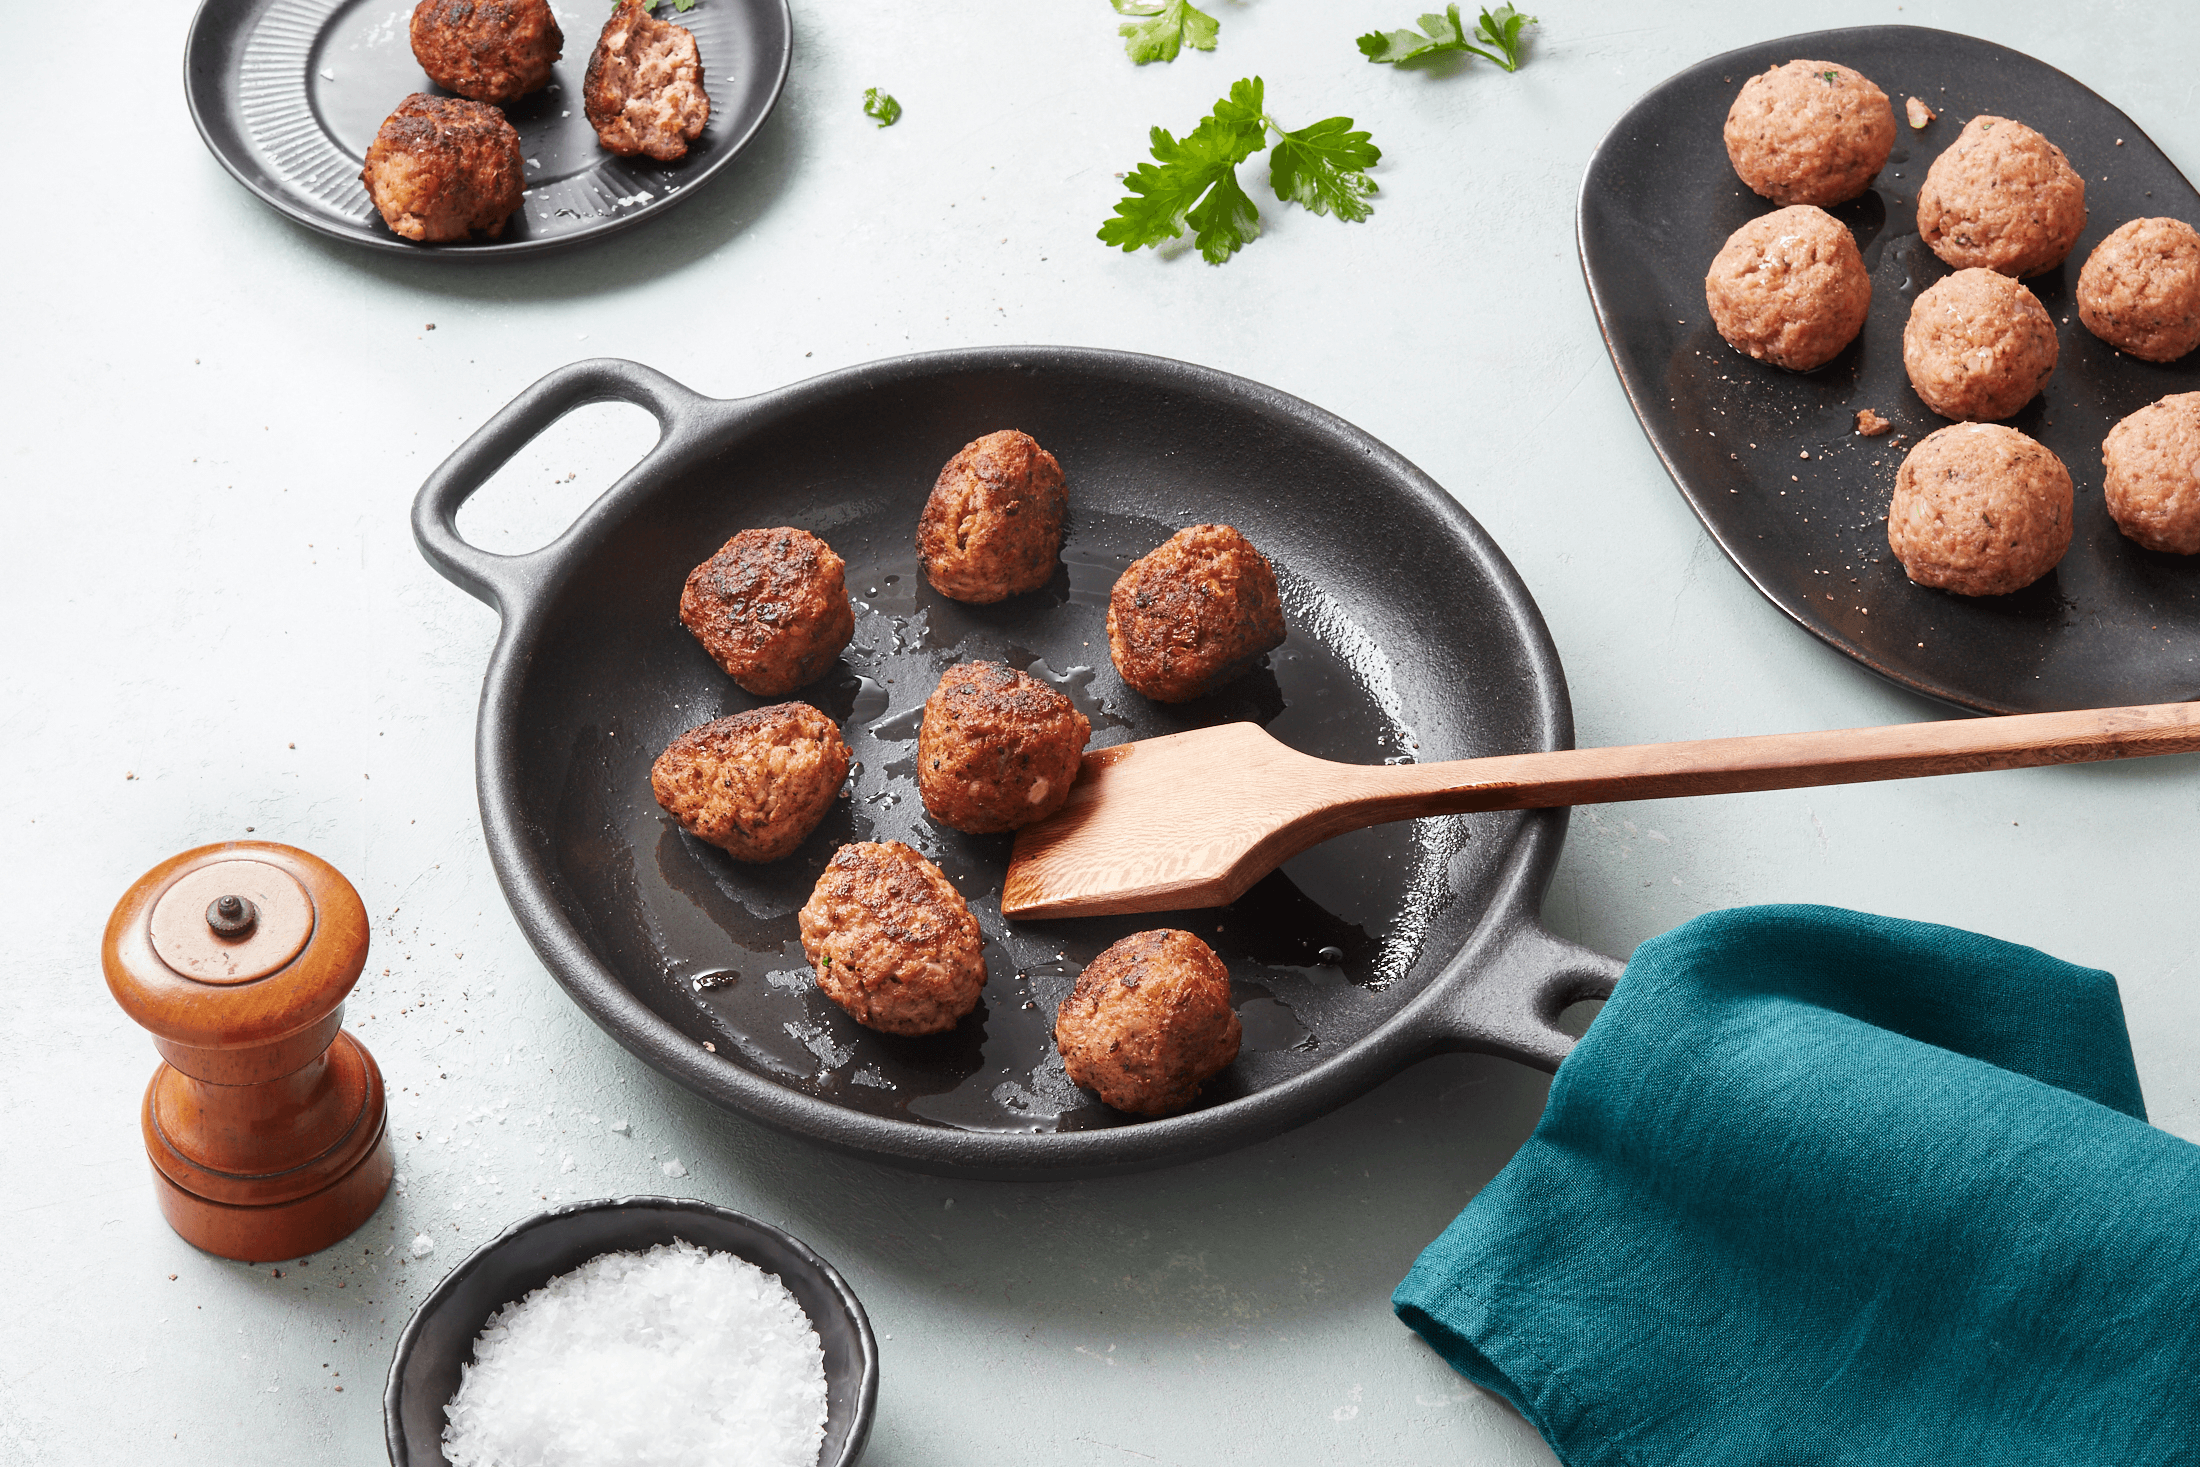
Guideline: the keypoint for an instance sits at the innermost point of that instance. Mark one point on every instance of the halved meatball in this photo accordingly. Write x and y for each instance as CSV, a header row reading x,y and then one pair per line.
x,y
771,607
644,87
892,941
2001,198
993,524
754,784
443,168
1809,132
1149,1022
998,748
486,50
1193,613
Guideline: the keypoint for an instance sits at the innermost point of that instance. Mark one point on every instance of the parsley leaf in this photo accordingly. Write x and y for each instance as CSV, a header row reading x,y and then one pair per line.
x,y
1165,27
882,106
683,6
1324,167
1448,32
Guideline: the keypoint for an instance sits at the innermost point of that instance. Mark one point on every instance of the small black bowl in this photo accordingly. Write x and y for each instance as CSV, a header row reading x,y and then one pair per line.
x,y
439,1340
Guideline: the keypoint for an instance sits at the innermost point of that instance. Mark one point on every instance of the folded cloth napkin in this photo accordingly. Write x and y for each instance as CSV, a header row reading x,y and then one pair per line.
x,y
1826,1187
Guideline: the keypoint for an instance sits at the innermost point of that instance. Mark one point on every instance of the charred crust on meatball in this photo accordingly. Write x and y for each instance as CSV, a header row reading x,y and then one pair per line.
x,y
486,50
892,941
992,527
1149,1022
771,608
998,748
643,92
753,784
444,168
1193,613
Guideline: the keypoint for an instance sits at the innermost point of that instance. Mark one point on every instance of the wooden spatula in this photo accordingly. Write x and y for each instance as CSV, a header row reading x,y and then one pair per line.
x,y
1194,819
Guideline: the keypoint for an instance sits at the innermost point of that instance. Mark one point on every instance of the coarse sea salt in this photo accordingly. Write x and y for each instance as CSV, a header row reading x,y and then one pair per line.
x,y
674,1356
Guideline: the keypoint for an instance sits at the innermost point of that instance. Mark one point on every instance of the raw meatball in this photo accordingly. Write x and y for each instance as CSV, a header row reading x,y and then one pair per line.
x,y
998,748
1978,346
993,525
892,941
755,784
2001,198
2140,289
442,168
1149,1022
772,608
1789,288
1980,510
644,87
488,50
2153,462
1193,614
1809,132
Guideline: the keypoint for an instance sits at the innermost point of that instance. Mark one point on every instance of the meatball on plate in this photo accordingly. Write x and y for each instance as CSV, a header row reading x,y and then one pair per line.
x,y
754,784
892,941
1789,288
2001,198
771,608
486,50
444,168
644,89
1809,132
1193,614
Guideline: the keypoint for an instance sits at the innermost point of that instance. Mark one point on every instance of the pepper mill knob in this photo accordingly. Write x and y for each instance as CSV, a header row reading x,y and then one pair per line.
x,y
267,1125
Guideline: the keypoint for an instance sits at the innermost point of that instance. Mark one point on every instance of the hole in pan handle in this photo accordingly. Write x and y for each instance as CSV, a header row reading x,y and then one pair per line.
x,y
502,580
1516,987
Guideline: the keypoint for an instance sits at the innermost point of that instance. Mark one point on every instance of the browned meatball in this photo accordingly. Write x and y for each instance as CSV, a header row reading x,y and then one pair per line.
x,y
772,608
2153,463
1809,132
1978,346
993,525
442,168
892,941
998,748
1193,614
1149,1022
2140,289
488,50
1789,288
754,784
2001,198
1980,510
644,87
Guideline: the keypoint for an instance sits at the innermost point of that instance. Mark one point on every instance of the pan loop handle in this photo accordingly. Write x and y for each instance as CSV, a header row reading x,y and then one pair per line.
x,y
1514,992
503,580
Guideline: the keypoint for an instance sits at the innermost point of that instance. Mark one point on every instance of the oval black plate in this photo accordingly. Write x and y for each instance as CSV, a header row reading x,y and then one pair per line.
x,y
289,93
2112,624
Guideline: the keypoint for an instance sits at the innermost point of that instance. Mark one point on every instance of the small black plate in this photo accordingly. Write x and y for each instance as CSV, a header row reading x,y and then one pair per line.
x,y
289,93
2113,624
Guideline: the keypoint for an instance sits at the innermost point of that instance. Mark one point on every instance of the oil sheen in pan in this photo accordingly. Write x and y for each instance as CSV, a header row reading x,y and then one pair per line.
x,y
1309,948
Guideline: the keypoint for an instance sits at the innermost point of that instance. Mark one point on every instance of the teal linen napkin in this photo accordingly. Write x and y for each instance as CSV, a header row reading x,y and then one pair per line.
x,y
1825,1187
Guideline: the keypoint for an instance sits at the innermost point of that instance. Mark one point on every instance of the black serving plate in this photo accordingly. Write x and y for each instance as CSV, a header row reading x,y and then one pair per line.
x,y
289,93
439,1340
1770,460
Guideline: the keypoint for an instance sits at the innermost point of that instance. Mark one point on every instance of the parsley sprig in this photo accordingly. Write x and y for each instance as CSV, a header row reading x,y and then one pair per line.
x,y
1193,181
1163,27
683,6
881,107
1447,33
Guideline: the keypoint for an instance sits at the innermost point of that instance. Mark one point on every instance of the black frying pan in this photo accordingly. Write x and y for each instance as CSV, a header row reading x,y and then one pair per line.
x,y
1412,638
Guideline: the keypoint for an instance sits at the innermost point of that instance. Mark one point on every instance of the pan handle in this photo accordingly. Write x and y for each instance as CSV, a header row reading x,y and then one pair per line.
x,y
501,580
1512,995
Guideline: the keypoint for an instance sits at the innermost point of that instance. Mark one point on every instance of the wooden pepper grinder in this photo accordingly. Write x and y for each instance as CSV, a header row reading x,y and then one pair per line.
x,y
266,1126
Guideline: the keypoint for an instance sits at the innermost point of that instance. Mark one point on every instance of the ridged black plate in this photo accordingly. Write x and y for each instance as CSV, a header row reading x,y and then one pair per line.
x,y
2113,624
289,93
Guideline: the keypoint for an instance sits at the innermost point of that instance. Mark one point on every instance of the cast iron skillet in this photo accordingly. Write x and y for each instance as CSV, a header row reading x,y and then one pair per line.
x,y
1412,638
2113,624
289,93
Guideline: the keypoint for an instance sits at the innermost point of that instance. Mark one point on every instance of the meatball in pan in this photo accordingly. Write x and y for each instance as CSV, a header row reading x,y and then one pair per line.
x,y
1149,1022
644,88
892,941
754,784
998,748
1193,614
444,168
771,608
486,50
992,527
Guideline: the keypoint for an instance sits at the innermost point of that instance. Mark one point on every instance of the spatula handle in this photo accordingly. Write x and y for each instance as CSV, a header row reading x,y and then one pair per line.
x,y
1773,761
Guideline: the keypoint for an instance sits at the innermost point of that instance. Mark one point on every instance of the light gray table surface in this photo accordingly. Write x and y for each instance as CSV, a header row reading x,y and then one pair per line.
x,y
217,624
